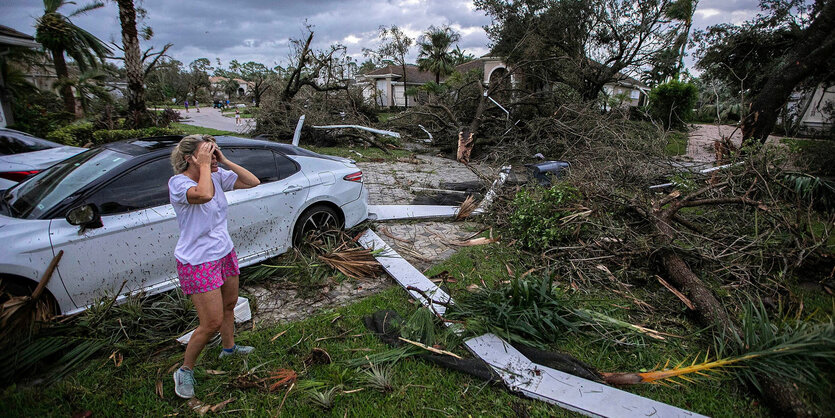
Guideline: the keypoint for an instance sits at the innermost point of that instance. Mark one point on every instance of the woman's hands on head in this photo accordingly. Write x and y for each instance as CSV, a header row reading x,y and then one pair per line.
x,y
203,155
219,155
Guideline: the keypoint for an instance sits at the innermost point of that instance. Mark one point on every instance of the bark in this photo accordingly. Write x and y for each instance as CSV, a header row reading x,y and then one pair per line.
x,y
137,112
782,396
63,74
814,49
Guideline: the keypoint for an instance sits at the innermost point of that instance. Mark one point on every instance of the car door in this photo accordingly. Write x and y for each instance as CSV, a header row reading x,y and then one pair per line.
x,y
125,248
261,219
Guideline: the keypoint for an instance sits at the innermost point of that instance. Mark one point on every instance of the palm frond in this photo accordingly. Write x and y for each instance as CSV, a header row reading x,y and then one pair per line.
x,y
86,8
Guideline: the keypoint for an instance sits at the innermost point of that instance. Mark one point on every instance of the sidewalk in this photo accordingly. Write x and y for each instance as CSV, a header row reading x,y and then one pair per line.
x,y
212,118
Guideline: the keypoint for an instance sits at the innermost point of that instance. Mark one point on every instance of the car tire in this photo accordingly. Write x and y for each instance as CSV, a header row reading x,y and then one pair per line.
x,y
316,218
12,287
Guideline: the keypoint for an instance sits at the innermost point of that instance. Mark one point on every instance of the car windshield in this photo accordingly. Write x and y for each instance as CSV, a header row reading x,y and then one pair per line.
x,y
40,193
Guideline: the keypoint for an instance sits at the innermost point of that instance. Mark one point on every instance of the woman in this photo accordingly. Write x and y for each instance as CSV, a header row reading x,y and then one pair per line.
x,y
206,262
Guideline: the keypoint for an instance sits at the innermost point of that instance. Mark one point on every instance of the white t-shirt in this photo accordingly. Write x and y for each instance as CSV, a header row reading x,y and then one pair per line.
x,y
203,232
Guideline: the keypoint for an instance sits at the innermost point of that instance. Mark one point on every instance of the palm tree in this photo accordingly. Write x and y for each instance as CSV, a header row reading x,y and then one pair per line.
x,y
435,54
59,35
137,111
88,85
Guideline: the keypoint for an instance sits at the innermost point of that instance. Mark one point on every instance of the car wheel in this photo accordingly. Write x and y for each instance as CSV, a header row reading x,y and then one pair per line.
x,y
318,219
12,287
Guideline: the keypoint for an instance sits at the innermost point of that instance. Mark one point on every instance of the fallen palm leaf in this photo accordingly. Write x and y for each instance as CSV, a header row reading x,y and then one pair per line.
x,y
281,378
221,405
608,320
215,372
158,389
198,406
428,348
466,209
20,312
355,263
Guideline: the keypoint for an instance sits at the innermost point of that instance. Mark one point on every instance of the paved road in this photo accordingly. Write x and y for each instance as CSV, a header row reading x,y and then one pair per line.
x,y
211,118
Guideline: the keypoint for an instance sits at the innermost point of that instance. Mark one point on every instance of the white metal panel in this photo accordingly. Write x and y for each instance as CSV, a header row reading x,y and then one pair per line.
x,y
404,273
390,212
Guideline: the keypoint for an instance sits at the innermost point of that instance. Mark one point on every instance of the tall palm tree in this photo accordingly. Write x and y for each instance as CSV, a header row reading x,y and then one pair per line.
x,y
435,54
137,111
59,35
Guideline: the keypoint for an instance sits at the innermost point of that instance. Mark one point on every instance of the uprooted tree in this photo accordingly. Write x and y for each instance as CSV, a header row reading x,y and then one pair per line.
x,y
701,234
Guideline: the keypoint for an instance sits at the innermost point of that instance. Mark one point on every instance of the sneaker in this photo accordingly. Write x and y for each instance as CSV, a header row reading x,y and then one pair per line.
x,y
237,349
184,383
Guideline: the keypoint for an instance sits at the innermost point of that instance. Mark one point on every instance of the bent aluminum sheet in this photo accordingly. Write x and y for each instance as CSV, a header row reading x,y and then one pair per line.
x,y
364,128
405,273
518,372
391,212
563,389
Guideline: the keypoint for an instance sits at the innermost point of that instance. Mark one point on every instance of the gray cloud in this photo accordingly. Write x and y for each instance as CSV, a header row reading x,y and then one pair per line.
x,y
259,30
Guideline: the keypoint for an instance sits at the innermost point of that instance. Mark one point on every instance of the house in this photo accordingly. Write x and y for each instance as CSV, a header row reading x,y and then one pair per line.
x,y
9,39
218,88
815,109
385,85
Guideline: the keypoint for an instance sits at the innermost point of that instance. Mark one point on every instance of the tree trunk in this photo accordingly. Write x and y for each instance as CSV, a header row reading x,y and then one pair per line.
x,y
63,75
814,49
137,112
782,396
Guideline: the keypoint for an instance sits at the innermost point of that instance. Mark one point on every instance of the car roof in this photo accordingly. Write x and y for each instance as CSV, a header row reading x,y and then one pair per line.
x,y
142,146
29,137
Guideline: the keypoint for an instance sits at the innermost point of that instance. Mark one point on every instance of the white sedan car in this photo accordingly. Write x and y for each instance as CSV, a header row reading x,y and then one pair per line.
x,y
108,210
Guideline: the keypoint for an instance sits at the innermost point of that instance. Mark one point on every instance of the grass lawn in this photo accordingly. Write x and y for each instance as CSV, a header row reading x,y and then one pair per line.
x,y
420,388
191,129
676,143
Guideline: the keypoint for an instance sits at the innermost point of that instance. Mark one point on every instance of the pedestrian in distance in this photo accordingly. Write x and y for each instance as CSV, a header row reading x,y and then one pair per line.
x,y
207,265
186,105
238,117
197,105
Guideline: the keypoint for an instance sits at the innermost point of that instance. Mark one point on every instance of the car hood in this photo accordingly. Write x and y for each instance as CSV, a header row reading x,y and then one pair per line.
x,y
37,160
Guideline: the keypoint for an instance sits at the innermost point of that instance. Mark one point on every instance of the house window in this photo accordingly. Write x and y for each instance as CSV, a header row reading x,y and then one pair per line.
x,y
634,94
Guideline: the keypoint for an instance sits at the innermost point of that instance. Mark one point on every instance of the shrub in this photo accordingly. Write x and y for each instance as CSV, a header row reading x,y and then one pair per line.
x,y
75,135
39,113
672,102
105,136
537,216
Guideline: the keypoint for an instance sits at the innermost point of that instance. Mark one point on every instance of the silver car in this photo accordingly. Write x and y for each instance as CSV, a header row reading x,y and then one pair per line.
x,y
22,155
108,210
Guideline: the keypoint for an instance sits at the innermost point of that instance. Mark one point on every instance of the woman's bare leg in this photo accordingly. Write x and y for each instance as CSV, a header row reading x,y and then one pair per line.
x,y
209,307
229,291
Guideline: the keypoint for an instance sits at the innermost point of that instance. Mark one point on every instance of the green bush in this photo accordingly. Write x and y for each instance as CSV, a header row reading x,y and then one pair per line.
x,y
75,135
105,136
672,103
537,217
39,113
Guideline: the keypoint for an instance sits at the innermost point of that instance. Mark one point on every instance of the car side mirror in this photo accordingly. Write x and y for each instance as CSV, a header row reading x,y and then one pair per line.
x,y
86,216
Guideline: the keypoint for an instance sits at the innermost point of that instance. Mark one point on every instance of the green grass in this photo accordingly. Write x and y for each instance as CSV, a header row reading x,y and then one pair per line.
x,y
191,129
384,116
371,154
421,389
676,143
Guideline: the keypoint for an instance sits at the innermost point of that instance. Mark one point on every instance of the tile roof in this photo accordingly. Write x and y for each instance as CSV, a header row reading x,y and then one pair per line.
x,y
413,73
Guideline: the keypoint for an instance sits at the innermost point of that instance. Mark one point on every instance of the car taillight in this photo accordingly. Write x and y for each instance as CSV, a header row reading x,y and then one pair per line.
x,y
20,175
357,177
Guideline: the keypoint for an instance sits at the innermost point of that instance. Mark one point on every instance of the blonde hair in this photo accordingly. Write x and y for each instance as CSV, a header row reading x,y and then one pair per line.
x,y
186,147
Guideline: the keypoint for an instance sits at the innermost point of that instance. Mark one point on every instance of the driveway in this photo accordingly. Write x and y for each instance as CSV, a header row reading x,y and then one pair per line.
x,y
212,118
424,243
702,136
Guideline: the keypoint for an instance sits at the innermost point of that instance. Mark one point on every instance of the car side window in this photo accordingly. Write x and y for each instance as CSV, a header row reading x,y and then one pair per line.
x,y
143,187
258,161
13,145
286,167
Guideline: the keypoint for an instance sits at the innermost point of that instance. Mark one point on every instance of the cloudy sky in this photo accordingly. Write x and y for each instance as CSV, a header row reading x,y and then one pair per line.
x,y
258,30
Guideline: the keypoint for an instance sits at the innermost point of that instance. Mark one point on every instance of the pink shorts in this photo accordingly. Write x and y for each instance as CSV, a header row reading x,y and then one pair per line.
x,y
207,276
